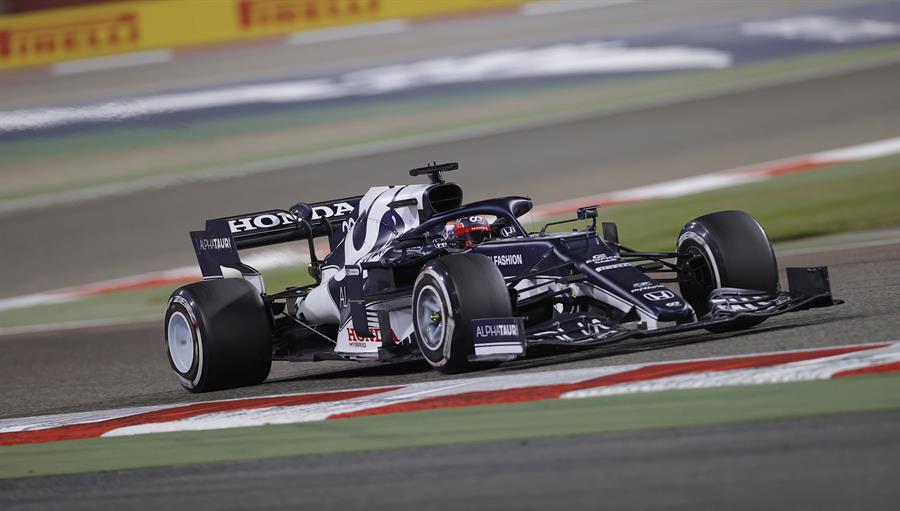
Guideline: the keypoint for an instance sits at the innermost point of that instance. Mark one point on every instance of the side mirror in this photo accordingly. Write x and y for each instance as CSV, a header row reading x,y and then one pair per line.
x,y
588,212
611,232
585,213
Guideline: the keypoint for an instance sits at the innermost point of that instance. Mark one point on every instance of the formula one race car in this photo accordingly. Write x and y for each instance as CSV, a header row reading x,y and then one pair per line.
x,y
414,273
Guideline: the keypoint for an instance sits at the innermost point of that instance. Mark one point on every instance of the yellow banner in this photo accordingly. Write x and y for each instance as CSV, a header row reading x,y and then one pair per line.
x,y
123,27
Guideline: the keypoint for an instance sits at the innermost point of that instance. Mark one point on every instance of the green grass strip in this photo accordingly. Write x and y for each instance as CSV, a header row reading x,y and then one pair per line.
x,y
562,417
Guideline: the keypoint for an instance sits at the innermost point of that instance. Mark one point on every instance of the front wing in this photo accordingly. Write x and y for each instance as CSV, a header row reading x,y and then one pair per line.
x,y
809,288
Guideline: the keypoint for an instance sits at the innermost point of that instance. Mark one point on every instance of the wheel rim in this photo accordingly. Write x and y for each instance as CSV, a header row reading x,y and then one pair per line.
x,y
431,318
181,342
698,269
696,280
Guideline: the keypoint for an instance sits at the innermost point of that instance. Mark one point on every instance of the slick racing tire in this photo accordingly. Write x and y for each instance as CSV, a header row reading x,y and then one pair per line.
x,y
218,335
725,249
449,293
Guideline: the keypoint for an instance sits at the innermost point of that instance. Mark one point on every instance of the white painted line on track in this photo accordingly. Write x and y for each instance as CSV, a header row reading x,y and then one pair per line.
x,y
349,32
125,60
73,293
17,424
263,260
837,248
76,325
562,6
726,178
819,28
806,370
439,389
861,151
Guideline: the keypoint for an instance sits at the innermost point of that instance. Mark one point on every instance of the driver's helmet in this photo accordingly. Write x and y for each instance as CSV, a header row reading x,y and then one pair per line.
x,y
472,230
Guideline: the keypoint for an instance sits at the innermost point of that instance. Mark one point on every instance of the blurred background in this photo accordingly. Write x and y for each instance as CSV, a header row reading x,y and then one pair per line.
x,y
125,124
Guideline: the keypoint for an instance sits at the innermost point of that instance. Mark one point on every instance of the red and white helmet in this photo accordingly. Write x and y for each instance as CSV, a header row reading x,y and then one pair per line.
x,y
472,230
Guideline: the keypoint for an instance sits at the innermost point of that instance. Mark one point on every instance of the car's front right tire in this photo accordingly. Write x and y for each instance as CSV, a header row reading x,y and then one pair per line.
x,y
218,335
725,249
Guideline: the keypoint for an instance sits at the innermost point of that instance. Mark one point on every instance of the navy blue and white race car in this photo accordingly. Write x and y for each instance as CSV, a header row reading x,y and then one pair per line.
x,y
414,273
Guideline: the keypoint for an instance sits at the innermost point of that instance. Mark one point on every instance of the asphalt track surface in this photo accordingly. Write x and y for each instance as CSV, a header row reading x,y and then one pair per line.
x,y
833,462
122,366
147,231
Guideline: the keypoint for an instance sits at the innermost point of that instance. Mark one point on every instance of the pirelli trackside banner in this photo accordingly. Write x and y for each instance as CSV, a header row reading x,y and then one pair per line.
x,y
121,27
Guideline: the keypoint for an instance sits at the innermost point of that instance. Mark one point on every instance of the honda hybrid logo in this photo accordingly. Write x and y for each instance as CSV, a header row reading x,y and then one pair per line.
x,y
264,221
336,209
658,296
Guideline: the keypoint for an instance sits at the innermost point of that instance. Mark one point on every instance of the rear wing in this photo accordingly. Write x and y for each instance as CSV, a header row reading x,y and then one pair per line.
x,y
218,244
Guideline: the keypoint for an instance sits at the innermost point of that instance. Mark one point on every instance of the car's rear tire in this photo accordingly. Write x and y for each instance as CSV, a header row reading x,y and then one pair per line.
x,y
725,249
218,335
449,293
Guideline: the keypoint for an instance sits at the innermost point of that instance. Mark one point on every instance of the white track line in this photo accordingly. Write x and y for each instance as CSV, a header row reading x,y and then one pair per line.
x,y
561,6
64,419
724,179
142,58
806,370
837,248
75,325
76,292
351,32
263,260
862,151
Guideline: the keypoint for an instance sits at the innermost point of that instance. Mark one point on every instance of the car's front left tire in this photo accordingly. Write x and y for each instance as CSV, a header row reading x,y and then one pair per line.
x,y
449,293
218,335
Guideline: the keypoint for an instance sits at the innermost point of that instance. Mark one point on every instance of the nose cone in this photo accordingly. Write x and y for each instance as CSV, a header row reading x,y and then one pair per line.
x,y
664,303
675,309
